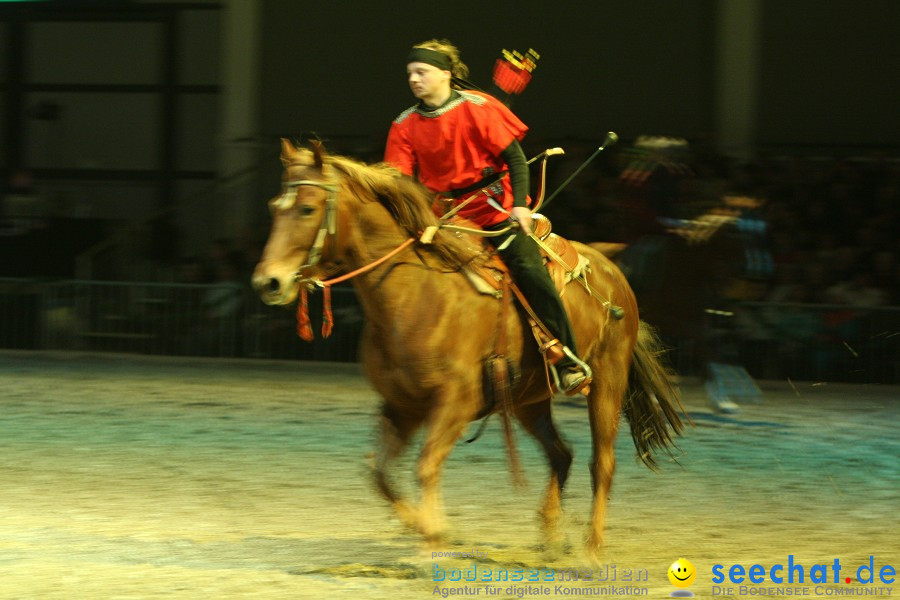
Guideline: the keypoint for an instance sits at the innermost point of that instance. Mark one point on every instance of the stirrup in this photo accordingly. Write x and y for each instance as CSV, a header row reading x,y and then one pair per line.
x,y
573,381
581,386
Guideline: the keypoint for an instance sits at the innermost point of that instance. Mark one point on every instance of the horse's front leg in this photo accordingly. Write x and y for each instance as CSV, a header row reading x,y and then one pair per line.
x,y
446,423
395,430
538,420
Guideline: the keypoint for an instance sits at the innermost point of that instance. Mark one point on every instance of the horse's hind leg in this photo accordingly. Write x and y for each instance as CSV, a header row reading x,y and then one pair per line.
x,y
394,435
538,421
604,407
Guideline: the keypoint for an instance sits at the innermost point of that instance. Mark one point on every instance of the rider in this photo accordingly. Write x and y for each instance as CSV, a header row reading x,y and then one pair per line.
x,y
456,141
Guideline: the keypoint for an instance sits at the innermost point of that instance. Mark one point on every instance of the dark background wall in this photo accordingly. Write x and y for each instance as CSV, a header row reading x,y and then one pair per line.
x,y
338,67
830,73
828,68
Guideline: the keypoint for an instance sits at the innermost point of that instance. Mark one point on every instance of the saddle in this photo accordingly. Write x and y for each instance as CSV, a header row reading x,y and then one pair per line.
x,y
564,264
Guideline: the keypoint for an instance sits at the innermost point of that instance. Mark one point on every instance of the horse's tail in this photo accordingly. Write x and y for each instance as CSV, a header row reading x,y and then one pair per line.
x,y
653,402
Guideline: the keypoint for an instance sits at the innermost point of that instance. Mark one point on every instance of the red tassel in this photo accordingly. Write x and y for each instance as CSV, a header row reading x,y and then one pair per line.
x,y
304,327
327,317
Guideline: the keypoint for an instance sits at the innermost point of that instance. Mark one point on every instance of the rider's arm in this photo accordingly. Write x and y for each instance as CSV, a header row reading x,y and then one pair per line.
x,y
515,161
518,178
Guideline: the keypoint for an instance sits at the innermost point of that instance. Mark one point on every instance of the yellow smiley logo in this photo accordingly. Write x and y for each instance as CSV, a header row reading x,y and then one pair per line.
x,y
682,573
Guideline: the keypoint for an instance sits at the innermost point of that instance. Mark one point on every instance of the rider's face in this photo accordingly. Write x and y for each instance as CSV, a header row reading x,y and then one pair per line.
x,y
428,83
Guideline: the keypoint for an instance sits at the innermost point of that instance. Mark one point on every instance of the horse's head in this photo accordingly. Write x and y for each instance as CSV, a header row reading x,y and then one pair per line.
x,y
303,222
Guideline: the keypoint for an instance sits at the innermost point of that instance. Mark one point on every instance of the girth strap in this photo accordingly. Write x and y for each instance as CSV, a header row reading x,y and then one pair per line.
x,y
501,377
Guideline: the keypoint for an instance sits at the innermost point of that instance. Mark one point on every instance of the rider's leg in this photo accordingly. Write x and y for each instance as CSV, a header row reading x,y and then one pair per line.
x,y
526,265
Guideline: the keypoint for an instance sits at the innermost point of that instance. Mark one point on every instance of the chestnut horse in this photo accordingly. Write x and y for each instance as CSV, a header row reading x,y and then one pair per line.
x,y
428,331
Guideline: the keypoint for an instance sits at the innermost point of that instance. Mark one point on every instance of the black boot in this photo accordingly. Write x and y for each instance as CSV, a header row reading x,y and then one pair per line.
x,y
572,378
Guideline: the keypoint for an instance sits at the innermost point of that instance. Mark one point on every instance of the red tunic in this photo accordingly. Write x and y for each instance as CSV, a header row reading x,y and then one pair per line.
x,y
451,147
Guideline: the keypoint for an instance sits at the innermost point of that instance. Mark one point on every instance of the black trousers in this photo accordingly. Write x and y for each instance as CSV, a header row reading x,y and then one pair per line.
x,y
526,265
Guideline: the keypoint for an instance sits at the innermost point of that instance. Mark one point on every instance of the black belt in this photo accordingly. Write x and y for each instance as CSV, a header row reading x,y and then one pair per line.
x,y
481,183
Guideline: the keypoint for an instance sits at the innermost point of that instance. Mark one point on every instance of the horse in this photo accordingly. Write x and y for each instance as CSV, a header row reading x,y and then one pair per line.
x,y
428,332
680,277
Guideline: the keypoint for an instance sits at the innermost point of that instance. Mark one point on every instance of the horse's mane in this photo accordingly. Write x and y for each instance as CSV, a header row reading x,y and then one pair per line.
x,y
408,202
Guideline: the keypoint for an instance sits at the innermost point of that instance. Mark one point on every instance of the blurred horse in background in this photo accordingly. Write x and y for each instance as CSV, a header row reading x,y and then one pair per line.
x,y
687,253
680,279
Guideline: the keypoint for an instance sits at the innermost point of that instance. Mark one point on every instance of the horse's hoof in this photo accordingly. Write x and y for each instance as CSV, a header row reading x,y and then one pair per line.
x,y
407,514
554,547
435,536
594,549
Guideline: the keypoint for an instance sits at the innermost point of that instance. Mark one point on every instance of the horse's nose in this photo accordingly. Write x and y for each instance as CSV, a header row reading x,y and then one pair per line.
x,y
274,288
268,285
273,285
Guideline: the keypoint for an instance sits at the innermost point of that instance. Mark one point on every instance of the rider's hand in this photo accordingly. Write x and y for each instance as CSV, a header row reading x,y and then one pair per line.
x,y
522,214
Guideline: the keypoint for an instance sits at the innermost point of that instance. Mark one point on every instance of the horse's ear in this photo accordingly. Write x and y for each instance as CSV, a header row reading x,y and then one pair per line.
x,y
288,151
318,150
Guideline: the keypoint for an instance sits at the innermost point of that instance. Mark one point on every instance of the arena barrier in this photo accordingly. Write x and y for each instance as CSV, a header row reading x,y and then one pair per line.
x,y
772,341
216,320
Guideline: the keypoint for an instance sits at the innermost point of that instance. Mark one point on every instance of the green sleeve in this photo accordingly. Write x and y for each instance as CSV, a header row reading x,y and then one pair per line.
x,y
515,161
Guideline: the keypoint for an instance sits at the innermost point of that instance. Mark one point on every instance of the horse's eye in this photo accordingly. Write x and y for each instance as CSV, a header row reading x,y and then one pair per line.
x,y
305,210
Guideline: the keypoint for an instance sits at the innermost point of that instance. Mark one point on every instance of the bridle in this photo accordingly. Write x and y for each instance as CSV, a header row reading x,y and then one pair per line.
x,y
328,225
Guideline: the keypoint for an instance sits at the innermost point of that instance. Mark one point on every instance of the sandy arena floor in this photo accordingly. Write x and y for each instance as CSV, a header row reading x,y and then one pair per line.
x,y
131,477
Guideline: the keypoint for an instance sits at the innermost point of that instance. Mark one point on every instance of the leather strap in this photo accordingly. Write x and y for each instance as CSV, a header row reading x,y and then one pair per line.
x,y
505,302
480,184
545,345
502,385
543,328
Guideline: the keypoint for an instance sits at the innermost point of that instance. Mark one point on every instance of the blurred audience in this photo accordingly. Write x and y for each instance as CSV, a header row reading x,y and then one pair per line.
x,y
831,223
